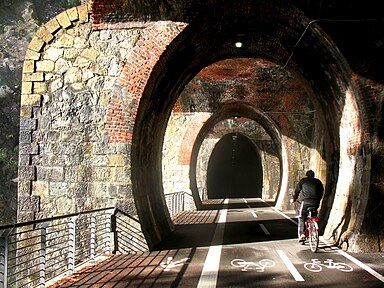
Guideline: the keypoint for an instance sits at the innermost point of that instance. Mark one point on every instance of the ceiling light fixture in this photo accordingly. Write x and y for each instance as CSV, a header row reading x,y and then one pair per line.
x,y
239,44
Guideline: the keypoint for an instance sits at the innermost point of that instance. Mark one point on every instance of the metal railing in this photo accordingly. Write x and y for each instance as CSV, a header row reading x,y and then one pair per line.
x,y
32,253
179,201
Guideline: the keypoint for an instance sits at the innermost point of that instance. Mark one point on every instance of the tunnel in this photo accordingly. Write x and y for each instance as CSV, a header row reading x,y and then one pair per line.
x,y
324,77
234,169
124,105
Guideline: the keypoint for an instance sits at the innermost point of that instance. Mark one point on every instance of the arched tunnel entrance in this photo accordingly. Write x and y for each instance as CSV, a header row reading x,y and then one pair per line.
x,y
324,77
234,169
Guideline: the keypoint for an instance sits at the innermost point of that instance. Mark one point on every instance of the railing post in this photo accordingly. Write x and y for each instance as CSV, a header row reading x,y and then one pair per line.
x,y
113,231
71,243
93,235
108,233
43,250
4,258
174,203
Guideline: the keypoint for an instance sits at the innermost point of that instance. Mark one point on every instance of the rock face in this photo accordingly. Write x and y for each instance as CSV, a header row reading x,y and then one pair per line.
x,y
19,21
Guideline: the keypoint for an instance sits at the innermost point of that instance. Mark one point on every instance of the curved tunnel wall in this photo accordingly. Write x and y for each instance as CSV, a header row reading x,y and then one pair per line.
x,y
192,59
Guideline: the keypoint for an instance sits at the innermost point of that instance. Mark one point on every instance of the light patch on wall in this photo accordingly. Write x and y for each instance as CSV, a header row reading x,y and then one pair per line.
x,y
350,128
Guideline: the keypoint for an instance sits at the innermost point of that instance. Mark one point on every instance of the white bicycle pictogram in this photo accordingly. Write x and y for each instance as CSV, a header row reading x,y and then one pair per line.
x,y
316,265
170,264
250,265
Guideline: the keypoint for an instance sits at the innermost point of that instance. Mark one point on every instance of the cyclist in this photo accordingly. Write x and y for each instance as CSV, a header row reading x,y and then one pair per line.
x,y
312,191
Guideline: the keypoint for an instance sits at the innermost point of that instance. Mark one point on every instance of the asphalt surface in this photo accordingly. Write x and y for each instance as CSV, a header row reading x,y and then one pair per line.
x,y
239,243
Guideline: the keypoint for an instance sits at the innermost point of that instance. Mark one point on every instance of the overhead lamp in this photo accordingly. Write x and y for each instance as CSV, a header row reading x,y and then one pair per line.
x,y
238,44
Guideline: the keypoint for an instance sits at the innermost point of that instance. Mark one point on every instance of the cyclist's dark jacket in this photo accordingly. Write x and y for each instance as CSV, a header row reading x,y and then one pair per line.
x,y
311,190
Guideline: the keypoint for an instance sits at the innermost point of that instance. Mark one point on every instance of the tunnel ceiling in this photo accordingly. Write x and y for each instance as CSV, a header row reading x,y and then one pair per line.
x,y
258,83
344,20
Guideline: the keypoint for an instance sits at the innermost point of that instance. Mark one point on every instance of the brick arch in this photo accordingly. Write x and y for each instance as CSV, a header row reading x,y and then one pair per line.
x,y
148,48
208,39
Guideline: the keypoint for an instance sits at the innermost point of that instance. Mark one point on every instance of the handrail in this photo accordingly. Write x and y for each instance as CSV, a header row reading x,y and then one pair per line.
x,y
38,221
117,210
32,255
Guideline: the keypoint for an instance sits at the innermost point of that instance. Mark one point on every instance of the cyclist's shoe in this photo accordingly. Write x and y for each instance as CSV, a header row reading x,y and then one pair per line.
x,y
302,238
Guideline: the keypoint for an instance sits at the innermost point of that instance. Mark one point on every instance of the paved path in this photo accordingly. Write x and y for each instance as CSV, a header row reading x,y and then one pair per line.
x,y
247,243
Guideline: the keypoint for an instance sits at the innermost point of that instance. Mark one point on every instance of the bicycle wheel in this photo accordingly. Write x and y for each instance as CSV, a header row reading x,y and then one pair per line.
x,y
313,236
343,267
313,267
238,263
267,263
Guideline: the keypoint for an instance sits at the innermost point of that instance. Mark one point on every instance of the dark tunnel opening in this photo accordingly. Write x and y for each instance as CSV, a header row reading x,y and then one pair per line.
x,y
234,169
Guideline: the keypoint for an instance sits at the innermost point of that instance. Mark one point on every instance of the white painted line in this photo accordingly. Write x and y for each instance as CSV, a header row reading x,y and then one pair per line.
x,y
281,213
208,277
246,202
362,265
264,229
223,214
284,215
254,214
296,275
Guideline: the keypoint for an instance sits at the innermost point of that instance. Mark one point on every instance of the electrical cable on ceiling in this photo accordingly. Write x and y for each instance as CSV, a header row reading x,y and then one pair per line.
x,y
326,20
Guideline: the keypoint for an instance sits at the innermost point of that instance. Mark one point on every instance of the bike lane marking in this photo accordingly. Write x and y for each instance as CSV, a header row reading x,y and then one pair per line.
x,y
249,206
281,213
265,230
296,274
317,265
208,277
362,265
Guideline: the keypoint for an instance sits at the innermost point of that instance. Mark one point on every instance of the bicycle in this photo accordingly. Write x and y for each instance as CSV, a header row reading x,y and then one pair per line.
x,y
311,228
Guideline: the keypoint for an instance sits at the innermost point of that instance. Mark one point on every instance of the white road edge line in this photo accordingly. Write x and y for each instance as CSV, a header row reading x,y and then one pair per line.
x,y
264,229
281,213
296,275
208,277
362,265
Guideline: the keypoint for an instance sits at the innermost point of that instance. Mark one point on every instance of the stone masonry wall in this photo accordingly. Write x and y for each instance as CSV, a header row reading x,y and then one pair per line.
x,y
80,93
180,136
